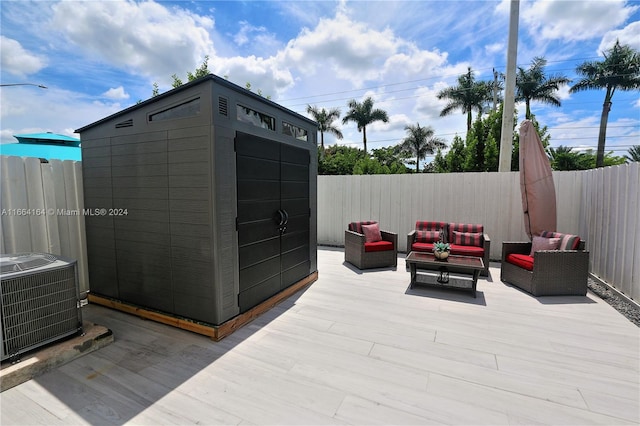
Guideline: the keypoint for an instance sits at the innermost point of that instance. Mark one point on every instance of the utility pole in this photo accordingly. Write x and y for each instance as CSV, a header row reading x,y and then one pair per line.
x,y
506,138
495,90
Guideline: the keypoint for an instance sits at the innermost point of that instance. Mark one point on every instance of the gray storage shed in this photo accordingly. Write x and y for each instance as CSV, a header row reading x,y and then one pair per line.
x,y
201,202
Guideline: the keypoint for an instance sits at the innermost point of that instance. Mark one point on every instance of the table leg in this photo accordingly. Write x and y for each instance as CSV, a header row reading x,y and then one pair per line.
x,y
412,268
476,274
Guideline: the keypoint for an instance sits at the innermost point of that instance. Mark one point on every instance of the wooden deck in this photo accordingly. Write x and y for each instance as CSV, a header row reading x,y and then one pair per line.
x,y
357,348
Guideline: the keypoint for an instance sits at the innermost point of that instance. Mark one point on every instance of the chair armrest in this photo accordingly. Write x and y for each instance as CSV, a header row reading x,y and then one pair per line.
x,y
510,247
354,238
390,236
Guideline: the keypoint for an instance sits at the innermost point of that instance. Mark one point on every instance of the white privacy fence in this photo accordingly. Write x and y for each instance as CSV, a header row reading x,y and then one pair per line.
x,y
602,206
42,207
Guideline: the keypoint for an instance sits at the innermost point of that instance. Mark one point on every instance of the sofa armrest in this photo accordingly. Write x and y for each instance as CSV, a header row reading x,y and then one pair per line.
x,y
411,238
561,260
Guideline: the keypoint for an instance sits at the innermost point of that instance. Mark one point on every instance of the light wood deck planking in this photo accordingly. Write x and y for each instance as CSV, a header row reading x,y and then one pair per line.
x,y
357,347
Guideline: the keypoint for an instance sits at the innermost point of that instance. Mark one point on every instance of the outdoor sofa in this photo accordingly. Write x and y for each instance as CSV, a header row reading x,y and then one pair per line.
x,y
552,264
465,239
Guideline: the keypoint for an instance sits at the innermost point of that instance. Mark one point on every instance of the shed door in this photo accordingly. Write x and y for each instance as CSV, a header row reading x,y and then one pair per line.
x,y
273,217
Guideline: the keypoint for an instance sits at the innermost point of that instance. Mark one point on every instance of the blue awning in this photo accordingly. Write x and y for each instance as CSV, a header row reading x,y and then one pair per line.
x,y
50,146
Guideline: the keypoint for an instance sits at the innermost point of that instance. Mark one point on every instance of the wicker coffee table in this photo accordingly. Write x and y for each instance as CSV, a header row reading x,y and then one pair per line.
x,y
459,272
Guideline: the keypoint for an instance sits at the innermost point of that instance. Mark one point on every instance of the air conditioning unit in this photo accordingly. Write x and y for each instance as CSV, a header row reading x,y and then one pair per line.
x,y
40,301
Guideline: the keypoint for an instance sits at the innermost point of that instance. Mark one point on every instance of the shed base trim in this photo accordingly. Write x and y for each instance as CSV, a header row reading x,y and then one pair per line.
x,y
216,332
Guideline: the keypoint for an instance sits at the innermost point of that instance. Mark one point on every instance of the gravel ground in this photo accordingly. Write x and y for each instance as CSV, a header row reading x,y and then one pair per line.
x,y
630,311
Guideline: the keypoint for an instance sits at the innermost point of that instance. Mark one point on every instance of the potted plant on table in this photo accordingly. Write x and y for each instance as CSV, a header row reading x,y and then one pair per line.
x,y
441,250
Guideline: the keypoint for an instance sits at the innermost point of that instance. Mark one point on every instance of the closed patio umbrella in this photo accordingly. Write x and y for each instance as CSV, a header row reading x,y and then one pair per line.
x,y
536,183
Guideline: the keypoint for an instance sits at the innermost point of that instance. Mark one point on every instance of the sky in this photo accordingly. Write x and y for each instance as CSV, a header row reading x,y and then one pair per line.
x,y
100,57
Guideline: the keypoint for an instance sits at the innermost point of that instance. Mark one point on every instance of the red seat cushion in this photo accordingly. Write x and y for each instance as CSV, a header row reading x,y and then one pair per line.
x,y
524,261
422,247
378,246
467,250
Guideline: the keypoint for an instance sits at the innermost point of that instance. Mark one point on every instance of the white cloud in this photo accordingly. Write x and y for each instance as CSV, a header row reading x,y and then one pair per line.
x,y
629,35
53,110
266,75
18,61
495,48
116,93
573,20
349,49
147,38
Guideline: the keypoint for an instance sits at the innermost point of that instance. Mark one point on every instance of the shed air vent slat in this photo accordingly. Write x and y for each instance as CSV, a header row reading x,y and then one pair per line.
x,y
126,123
223,106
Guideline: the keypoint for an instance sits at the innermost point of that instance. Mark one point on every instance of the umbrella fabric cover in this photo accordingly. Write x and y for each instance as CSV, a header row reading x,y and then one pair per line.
x,y
536,183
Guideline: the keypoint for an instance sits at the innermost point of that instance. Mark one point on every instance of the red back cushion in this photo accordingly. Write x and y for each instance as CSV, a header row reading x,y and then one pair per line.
x,y
371,233
467,238
357,226
430,226
543,243
567,241
427,236
464,227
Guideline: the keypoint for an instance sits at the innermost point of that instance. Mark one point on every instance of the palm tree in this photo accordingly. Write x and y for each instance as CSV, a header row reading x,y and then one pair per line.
x,y
325,121
363,114
620,69
420,141
533,85
634,153
468,95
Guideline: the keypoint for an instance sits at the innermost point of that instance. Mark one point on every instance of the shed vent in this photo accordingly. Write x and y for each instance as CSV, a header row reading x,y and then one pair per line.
x,y
126,123
223,106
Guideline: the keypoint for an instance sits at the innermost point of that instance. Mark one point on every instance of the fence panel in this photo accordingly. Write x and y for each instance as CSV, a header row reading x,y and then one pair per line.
x,y
611,203
41,204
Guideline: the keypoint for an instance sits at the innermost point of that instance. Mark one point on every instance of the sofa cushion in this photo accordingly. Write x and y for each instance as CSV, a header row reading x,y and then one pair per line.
x,y
544,243
357,226
462,250
427,236
464,227
371,233
467,238
422,247
521,260
378,246
424,225
567,241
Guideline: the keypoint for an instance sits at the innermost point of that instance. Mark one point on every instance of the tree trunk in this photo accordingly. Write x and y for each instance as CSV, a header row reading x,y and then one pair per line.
x,y
364,139
527,114
321,144
417,164
602,136
469,121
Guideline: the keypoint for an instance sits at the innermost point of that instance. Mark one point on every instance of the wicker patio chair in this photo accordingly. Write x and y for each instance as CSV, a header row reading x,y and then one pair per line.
x,y
555,272
369,255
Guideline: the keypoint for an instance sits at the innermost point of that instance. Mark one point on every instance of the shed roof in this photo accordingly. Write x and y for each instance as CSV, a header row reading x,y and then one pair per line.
x,y
210,77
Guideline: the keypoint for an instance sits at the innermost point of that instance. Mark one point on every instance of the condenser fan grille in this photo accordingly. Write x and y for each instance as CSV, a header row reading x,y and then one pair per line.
x,y
24,261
